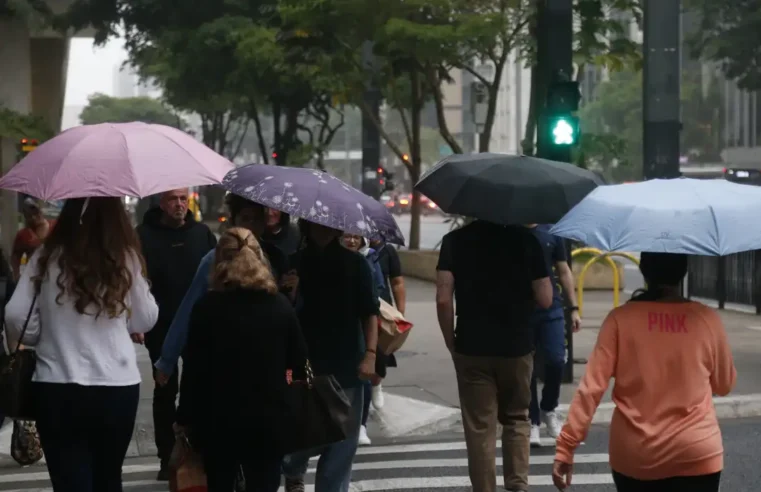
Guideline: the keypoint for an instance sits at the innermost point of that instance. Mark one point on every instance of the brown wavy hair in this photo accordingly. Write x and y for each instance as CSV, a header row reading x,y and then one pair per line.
x,y
239,263
94,244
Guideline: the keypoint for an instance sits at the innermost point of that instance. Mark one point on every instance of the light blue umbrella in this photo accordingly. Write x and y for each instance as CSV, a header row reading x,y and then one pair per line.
x,y
690,216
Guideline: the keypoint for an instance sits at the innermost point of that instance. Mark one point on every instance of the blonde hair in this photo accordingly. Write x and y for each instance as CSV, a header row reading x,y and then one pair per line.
x,y
239,262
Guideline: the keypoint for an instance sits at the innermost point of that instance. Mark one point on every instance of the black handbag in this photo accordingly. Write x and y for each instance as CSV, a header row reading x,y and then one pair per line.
x,y
319,413
16,371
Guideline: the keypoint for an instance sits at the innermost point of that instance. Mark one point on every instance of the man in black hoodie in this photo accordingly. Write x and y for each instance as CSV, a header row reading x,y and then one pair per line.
x,y
173,245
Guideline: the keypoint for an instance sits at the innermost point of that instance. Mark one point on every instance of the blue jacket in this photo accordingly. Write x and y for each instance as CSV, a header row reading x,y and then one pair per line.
x,y
177,335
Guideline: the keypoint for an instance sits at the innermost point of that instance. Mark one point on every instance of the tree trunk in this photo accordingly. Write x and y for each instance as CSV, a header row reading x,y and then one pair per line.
x,y
434,85
484,138
529,135
259,133
415,156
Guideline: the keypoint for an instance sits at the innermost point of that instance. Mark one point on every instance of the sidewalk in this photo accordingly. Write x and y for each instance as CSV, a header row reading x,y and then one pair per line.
x,y
426,372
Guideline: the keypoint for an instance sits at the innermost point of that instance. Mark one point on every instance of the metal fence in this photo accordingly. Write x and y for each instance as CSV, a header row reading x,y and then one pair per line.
x,y
734,279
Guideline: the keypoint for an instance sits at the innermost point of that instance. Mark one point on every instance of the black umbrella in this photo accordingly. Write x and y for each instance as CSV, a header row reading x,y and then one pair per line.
x,y
507,189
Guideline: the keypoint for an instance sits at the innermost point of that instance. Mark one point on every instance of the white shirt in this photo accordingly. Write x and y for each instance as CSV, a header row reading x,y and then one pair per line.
x,y
76,348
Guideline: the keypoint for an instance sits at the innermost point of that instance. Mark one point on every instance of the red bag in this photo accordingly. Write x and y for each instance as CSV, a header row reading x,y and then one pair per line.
x,y
187,470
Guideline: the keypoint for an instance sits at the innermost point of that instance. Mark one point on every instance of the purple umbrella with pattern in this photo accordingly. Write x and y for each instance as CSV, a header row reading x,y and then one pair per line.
x,y
315,196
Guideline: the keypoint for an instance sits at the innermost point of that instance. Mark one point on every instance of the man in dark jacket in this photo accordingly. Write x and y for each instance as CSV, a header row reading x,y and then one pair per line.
x,y
173,245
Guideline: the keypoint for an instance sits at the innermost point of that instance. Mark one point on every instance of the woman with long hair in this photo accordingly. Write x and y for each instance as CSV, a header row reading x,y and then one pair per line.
x,y
243,340
85,294
669,356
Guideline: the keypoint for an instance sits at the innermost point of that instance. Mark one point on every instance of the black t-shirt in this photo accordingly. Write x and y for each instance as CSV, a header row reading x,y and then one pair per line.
x,y
337,294
493,267
388,259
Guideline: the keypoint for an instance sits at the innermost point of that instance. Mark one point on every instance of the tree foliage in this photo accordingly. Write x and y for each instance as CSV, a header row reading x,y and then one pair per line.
x,y
106,109
729,33
15,125
612,124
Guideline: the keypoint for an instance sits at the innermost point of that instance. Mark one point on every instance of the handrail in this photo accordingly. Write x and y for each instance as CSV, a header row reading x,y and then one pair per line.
x,y
616,274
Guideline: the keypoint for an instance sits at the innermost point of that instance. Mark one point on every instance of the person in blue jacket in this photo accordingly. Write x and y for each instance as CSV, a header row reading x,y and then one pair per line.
x,y
243,213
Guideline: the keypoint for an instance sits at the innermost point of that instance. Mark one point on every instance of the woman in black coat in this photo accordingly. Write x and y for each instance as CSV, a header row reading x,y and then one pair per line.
x,y
244,343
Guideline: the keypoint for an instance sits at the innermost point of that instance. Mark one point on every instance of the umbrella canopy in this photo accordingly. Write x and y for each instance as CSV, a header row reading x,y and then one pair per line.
x,y
314,196
688,216
507,189
115,159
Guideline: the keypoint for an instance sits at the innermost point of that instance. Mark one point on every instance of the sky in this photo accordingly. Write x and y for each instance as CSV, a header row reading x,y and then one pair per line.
x,y
91,69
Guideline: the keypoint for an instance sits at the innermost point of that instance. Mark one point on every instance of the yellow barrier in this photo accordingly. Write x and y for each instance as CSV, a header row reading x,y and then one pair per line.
x,y
601,256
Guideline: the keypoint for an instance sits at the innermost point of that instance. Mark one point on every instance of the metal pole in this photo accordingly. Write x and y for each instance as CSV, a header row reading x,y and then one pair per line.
x,y
555,54
371,141
661,87
556,62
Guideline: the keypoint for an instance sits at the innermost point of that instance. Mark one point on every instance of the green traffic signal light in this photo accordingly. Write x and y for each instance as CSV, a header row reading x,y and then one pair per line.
x,y
564,130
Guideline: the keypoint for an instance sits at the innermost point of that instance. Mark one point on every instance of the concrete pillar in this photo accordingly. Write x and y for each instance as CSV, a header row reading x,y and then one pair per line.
x,y
16,77
15,94
49,63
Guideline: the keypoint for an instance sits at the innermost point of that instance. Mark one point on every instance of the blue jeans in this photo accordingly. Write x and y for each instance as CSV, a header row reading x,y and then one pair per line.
x,y
367,390
550,339
334,465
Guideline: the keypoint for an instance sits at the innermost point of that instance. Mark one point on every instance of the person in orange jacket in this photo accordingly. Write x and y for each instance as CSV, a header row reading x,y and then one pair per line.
x,y
669,356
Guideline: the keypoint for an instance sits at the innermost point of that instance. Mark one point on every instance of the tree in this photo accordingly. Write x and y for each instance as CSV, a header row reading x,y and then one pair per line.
x,y
410,38
612,124
105,109
488,33
729,34
232,62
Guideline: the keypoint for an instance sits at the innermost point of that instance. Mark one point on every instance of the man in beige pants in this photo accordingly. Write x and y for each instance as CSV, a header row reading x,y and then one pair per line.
x,y
499,276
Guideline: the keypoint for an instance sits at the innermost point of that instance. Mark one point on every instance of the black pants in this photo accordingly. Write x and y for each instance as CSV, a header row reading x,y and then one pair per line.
x,y
702,483
262,473
85,432
164,400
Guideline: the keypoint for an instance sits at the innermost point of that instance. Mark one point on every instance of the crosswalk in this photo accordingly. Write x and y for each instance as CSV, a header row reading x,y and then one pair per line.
x,y
430,465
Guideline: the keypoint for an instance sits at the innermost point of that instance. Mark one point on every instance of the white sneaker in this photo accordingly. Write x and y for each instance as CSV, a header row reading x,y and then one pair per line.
x,y
364,440
535,439
377,397
554,427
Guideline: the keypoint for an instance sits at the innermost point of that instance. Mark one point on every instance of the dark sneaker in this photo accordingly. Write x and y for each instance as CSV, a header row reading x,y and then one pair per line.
x,y
294,485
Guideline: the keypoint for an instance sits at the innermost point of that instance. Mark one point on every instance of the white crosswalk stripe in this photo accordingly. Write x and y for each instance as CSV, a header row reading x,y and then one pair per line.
x,y
414,466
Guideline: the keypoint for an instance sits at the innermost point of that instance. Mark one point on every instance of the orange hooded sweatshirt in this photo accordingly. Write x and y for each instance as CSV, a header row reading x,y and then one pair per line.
x,y
668,359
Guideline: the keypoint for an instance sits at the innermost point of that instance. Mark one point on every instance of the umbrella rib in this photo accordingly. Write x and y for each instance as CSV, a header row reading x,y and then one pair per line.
x,y
63,163
131,169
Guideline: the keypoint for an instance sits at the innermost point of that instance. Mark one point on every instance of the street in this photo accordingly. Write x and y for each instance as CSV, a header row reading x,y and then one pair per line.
x,y
440,462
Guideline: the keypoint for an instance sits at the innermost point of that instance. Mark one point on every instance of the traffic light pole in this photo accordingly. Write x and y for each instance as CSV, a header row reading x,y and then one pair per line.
x,y
555,58
371,140
660,88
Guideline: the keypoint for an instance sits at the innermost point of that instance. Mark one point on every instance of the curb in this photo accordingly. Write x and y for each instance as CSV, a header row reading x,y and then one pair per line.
x,y
727,407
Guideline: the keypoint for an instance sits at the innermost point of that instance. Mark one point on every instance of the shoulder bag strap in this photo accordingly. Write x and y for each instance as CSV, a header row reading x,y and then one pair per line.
x,y
26,325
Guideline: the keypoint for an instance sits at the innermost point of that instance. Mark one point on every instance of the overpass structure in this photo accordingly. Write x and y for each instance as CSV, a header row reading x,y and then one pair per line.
x,y
33,67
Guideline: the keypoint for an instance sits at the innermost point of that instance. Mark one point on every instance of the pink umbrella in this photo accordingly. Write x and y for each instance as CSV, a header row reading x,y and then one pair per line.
x,y
115,159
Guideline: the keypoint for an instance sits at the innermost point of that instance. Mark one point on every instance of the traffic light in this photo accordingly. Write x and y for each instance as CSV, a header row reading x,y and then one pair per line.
x,y
385,180
561,126
25,146
564,130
